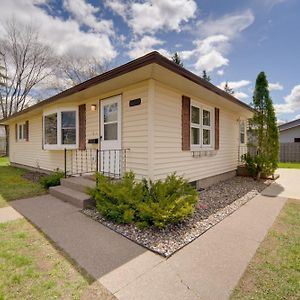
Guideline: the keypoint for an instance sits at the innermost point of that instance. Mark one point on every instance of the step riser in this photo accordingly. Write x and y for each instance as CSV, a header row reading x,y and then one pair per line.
x,y
74,186
67,198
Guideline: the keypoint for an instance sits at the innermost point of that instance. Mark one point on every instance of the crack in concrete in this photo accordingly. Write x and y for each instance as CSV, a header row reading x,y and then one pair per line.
x,y
183,282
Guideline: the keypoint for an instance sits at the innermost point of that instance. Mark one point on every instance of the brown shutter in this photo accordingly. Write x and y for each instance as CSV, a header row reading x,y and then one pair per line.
x,y
217,128
42,132
185,123
27,130
82,127
16,132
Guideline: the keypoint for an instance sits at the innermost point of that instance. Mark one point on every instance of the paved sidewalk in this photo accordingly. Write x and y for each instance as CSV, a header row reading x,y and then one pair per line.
x,y
8,214
94,247
208,268
287,185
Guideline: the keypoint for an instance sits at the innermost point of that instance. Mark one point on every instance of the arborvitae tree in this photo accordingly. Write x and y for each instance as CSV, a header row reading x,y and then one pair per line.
x,y
177,60
205,76
228,89
263,127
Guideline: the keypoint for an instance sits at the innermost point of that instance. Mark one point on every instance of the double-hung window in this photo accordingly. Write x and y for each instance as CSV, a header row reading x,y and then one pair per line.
x,y
21,132
60,129
201,126
242,132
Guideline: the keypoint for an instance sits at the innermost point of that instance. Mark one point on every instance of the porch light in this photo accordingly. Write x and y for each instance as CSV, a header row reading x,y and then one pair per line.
x,y
93,107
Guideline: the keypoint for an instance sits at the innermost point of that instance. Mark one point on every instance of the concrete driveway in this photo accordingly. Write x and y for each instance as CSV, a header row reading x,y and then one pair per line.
x,y
287,185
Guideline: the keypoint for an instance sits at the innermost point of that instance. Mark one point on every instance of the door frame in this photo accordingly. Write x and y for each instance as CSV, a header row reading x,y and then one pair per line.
x,y
102,102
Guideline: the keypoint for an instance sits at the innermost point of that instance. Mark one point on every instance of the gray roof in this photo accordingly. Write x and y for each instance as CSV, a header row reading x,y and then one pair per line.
x,y
289,125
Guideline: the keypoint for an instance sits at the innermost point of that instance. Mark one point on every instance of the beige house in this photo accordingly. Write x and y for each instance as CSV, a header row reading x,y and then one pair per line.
x,y
150,116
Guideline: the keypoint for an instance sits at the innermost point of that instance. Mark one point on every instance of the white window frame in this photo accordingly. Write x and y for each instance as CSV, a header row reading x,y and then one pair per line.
x,y
201,146
240,132
59,145
23,138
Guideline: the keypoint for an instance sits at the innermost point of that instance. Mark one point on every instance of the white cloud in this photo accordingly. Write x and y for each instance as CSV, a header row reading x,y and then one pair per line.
x,y
292,102
209,53
215,39
220,72
143,46
117,6
153,15
211,61
296,117
240,95
187,54
85,12
229,25
280,122
235,84
64,35
275,86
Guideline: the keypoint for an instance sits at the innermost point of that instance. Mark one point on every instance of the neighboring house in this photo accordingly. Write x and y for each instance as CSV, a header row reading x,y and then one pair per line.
x,y
290,132
2,140
150,116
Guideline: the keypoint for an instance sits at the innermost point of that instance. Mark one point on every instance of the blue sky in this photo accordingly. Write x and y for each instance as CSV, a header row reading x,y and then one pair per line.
x,y
233,40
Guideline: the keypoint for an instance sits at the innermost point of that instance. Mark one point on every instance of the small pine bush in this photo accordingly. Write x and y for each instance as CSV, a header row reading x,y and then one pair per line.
x,y
52,179
145,203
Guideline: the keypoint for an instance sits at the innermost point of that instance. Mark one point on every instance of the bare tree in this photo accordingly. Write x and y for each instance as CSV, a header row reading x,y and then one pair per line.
x,y
26,62
73,70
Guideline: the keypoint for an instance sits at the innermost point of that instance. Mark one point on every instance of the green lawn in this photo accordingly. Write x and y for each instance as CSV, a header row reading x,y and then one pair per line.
x,y
274,272
31,268
289,165
13,186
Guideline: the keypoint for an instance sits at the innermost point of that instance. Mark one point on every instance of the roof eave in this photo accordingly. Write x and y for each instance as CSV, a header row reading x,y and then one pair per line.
x,y
152,57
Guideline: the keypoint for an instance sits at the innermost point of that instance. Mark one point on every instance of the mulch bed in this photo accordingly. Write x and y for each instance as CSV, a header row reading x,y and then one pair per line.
x,y
215,203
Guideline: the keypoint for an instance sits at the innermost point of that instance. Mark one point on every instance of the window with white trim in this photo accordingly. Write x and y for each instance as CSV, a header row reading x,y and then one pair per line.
x,y
61,129
242,132
22,132
201,126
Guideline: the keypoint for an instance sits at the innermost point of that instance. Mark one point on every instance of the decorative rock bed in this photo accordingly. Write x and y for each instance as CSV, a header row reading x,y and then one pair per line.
x,y
216,203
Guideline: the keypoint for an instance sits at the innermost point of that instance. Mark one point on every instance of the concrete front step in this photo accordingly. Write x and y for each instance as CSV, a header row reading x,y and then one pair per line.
x,y
72,196
79,184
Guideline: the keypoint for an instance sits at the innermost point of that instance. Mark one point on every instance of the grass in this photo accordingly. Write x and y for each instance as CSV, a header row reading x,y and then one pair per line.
x,y
13,186
286,165
274,272
31,268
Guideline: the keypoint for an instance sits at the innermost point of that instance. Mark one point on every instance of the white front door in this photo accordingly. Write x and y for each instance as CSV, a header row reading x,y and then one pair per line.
x,y
110,136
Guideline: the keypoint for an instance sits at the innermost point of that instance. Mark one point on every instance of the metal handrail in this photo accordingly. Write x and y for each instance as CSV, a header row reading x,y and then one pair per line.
x,y
109,162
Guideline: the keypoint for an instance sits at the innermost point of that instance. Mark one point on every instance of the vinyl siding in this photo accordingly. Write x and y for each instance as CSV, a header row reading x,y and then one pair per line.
x,y
289,135
134,133
168,156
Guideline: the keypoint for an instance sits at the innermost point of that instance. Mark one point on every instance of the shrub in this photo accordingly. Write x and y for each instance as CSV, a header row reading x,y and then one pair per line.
x,y
145,203
52,179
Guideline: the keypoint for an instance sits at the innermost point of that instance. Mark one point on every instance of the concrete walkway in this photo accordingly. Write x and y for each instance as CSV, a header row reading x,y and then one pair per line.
x,y
9,214
94,247
208,268
287,185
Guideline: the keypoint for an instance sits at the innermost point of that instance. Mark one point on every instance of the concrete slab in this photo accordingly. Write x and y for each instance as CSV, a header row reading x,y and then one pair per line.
x,y
127,273
287,185
94,247
253,223
8,214
159,283
209,267
213,264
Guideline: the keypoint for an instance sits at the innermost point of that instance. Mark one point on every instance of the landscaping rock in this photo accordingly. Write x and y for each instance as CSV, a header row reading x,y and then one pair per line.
x,y
215,203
